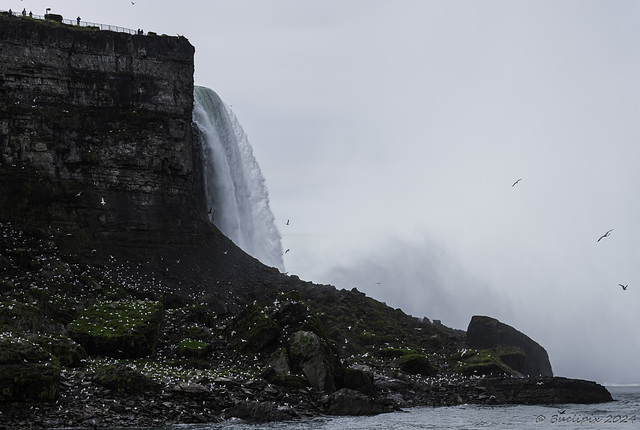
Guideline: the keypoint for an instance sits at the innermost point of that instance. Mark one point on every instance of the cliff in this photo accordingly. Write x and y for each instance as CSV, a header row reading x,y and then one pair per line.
x,y
115,288
96,144
515,348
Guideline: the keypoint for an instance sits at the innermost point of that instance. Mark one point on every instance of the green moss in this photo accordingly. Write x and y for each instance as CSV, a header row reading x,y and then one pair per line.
x,y
482,362
193,348
124,328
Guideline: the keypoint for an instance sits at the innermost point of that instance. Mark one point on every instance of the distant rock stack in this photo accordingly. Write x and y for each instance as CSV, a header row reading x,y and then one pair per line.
x,y
486,332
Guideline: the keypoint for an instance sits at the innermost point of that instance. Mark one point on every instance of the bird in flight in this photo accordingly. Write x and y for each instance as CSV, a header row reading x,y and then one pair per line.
x,y
624,287
286,251
102,201
605,235
287,222
514,184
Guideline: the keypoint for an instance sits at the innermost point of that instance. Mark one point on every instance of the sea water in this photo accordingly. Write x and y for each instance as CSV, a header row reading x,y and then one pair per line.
x,y
623,412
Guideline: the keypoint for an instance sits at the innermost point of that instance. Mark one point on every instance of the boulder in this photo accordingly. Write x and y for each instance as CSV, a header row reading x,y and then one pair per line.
x,y
27,372
350,402
126,329
416,364
192,348
252,330
359,380
315,359
260,411
68,352
486,332
124,380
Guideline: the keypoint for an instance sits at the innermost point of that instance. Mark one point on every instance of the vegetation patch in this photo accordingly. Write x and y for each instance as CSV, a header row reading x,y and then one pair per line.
x,y
479,362
193,348
119,329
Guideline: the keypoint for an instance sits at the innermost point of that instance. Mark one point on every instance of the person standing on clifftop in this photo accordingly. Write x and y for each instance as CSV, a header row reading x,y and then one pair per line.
x,y
78,19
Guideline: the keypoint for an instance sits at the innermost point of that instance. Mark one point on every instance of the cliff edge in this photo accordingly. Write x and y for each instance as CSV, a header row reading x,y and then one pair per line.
x,y
96,142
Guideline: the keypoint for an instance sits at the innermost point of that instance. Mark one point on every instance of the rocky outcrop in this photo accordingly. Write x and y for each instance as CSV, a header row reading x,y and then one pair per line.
x,y
416,364
128,329
351,402
252,330
95,137
310,354
261,412
545,390
27,372
486,332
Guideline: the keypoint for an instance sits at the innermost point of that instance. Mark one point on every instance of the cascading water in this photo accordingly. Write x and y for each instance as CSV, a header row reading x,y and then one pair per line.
x,y
235,187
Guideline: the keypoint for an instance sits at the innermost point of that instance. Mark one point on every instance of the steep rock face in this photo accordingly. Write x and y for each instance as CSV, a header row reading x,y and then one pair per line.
x,y
487,332
96,141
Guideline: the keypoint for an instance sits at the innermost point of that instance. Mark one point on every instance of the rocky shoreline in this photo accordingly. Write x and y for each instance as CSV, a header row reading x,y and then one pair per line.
x,y
83,404
101,348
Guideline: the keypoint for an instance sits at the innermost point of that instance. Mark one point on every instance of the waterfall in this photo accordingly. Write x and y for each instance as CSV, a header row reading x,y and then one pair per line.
x,y
235,188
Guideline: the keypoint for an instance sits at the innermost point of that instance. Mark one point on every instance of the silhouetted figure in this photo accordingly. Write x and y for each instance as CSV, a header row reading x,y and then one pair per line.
x,y
78,20
605,235
624,287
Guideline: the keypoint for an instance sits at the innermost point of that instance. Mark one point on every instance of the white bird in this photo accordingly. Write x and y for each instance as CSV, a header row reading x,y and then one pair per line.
x,y
102,201
78,195
605,235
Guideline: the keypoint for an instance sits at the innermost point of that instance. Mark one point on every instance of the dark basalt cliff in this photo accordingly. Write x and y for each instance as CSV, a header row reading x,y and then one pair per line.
x,y
528,358
115,288
92,116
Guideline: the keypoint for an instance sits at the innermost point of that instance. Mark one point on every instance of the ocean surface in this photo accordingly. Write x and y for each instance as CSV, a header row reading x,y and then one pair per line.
x,y
623,413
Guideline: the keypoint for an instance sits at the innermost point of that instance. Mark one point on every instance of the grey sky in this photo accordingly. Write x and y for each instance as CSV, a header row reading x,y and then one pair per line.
x,y
390,134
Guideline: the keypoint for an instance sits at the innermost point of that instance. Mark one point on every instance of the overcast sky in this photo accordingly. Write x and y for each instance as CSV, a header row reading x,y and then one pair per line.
x,y
390,134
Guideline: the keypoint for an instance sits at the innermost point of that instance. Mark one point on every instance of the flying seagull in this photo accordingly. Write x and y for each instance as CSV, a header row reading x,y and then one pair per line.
x,y
287,222
624,287
102,201
286,251
514,184
605,235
